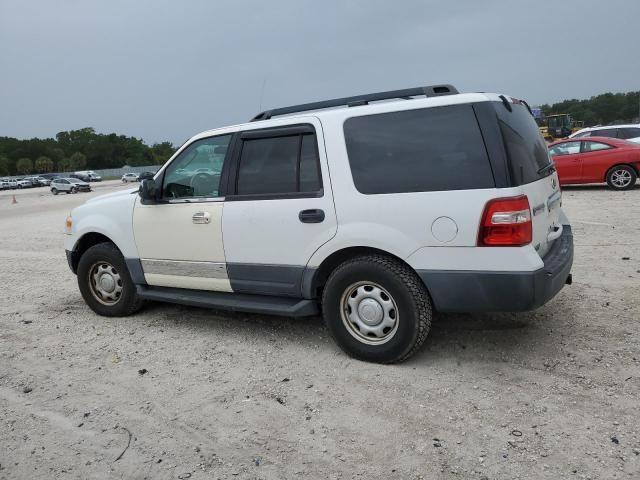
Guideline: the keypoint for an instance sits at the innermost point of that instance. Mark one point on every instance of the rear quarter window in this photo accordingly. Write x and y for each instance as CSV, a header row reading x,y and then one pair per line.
x,y
424,150
525,148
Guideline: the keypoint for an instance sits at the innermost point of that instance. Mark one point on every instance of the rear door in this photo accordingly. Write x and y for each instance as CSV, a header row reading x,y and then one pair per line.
x,y
528,163
279,209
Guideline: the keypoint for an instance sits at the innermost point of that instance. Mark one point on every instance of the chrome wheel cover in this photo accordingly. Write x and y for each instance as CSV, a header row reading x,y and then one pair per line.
x,y
621,178
369,313
105,283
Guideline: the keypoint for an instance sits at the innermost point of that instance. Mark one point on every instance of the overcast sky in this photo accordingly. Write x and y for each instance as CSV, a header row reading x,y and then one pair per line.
x,y
165,70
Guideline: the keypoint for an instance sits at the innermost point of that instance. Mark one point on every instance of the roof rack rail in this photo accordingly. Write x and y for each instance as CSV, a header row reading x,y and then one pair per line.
x,y
358,100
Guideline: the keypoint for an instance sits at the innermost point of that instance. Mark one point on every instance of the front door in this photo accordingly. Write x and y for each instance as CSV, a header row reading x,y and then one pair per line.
x,y
179,237
566,157
280,207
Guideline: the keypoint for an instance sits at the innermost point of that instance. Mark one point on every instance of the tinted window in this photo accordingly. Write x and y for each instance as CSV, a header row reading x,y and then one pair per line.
x,y
567,148
422,150
309,165
197,169
607,132
526,149
629,133
594,146
279,165
268,165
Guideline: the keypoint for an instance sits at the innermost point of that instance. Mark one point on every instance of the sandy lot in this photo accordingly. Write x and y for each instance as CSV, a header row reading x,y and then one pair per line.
x,y
547,394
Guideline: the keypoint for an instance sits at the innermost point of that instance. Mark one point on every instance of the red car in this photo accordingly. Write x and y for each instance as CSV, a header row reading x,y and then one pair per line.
x,y
597,160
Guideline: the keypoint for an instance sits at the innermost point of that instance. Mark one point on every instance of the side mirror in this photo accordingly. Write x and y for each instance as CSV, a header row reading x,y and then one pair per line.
x,y
145,176
148,190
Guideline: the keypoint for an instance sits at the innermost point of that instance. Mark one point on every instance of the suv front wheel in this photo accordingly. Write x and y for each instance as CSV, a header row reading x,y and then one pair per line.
x,y
377,309
105,283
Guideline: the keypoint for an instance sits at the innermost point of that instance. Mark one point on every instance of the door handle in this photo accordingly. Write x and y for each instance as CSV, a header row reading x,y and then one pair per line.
x,y
201,217
314,215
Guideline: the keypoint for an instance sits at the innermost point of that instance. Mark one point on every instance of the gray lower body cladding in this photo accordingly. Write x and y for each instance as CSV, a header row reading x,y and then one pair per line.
x,y
481,291
451,291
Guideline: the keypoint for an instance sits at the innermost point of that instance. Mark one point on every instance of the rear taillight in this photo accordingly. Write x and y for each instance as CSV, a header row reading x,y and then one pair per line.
x,y
506,222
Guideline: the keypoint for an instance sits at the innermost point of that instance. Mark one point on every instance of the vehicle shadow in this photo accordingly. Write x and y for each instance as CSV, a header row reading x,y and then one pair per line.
x,y
461,337
592,186
492,337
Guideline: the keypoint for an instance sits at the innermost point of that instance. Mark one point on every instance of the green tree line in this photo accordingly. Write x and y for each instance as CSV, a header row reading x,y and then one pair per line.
x,y
78,150
605,109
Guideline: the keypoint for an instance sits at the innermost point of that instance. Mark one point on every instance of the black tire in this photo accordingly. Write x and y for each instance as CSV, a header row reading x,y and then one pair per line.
x,y
405,289
74,190
128,302
54,191
618,176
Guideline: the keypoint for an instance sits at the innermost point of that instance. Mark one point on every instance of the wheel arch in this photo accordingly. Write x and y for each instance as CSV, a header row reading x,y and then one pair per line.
x,y
314,279
632,166
84,243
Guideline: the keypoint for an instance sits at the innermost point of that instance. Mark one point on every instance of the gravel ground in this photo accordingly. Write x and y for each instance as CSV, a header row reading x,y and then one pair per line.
x,y
178,392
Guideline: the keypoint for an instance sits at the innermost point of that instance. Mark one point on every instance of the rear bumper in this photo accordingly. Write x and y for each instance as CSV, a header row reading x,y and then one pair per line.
x,y
481,291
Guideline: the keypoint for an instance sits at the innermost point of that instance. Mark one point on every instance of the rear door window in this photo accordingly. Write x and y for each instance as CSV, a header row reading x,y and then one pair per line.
x,y
424,150
606,132
626,133
526,150
279,165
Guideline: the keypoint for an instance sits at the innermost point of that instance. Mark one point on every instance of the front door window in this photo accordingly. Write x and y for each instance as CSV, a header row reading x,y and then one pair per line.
x,y
196,172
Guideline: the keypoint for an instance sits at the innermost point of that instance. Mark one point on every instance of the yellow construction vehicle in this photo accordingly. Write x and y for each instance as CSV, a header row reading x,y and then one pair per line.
x,y
561,125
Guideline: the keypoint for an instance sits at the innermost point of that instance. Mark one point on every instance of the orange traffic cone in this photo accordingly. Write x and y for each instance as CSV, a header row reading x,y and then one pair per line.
x,y
14,200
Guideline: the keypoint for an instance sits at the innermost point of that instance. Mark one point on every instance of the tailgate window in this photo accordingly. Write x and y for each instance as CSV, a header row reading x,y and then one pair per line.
x,y
527,154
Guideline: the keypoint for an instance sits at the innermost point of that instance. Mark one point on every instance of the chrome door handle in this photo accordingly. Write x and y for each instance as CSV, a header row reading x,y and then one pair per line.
x,y
201,217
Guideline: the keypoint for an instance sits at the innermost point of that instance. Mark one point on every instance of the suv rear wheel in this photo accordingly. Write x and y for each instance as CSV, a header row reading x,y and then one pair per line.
x,y
105,283
377,309
622,177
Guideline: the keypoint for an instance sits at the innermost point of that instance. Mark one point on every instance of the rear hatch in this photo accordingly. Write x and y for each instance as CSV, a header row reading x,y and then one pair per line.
x,y
531,169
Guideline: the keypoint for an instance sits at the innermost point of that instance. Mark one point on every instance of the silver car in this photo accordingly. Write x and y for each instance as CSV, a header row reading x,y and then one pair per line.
x,y
69,185
129,177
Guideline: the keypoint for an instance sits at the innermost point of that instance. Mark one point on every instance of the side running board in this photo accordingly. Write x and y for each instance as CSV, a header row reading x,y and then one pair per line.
x,y
237,302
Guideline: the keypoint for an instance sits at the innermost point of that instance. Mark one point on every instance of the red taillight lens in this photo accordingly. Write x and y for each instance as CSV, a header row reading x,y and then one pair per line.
x,y
506,222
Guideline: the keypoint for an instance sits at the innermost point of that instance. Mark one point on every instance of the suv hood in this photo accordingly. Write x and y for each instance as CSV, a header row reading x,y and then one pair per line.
x,y
121,193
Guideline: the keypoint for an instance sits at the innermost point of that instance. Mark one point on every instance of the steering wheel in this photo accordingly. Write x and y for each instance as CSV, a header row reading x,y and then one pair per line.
x,y
202,184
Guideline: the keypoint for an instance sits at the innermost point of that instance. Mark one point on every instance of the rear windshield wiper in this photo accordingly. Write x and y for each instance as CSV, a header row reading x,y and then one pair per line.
x,y
550,167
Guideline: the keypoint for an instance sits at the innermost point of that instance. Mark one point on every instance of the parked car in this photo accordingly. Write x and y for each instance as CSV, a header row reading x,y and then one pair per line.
x,y
597,160
45,182
35,181
129,177
629,132
24,183
69,185
13,184
4,184
87,176
375,215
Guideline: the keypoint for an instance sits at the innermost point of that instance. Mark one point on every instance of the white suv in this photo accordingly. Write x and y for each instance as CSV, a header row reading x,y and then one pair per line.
x,y
373,213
